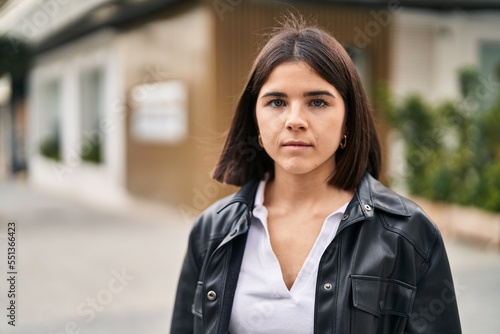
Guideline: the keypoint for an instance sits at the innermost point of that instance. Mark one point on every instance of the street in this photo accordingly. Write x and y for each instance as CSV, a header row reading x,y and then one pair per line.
x,y
80,269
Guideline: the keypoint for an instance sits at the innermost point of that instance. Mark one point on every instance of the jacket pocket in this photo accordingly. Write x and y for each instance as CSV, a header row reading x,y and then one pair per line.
x,y
381,305
197,307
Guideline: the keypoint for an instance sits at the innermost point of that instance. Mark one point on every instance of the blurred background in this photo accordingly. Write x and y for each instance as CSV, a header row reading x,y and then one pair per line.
x,y
113,112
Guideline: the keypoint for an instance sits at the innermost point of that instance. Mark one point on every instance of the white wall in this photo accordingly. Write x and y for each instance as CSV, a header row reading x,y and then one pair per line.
x,y
101,182
430,47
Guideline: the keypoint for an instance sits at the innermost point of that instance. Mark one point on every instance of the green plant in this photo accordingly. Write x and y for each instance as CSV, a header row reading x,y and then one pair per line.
x,y
50,148
452,150
91,151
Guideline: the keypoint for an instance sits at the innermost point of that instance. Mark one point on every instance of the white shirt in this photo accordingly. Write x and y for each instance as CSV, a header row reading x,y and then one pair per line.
x,y
262,302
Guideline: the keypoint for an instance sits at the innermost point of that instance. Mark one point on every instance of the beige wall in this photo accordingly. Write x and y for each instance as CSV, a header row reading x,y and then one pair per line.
x,y
176,45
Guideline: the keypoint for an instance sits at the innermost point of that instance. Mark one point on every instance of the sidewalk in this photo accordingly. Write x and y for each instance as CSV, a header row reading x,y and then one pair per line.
x,y
80,268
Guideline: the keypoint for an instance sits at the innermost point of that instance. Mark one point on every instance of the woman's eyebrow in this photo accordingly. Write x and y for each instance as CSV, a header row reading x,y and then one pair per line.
x,y
276,94
307,94
318,92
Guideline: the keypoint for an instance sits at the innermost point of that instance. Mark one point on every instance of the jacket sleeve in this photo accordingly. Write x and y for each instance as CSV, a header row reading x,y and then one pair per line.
x,y
435,308
182,318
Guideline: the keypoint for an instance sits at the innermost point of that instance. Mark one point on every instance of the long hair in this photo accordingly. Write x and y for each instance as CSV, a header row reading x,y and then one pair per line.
x,y
242,159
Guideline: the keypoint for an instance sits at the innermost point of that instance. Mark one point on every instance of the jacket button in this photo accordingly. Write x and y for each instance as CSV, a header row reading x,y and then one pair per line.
x,y
367,207
327,286
211,295
344,217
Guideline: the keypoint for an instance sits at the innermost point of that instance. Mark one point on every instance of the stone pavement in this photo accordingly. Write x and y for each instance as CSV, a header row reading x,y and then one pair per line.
x,y
88,270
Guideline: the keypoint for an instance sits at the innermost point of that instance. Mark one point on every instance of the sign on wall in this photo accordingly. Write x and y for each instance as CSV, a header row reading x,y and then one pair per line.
x,y
159,112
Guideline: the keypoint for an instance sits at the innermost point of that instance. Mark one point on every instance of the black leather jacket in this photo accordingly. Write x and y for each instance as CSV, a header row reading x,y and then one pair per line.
x,y
385,272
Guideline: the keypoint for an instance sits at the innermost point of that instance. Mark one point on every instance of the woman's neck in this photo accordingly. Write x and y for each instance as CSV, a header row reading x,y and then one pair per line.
x,y
290,191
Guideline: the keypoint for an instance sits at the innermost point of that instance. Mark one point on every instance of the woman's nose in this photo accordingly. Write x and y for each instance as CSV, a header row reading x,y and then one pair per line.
x,y
296,119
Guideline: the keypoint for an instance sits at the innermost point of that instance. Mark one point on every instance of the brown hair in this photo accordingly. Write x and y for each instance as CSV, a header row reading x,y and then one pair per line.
x,y
243,159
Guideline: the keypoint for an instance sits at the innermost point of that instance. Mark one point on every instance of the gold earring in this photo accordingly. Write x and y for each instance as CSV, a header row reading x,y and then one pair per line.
x,y
343,142
260,141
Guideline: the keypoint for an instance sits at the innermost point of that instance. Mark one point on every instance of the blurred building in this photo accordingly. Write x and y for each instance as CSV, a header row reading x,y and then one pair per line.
x,y
133,97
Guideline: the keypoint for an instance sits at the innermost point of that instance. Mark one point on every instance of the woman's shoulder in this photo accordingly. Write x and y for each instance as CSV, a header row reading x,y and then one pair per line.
x,y
405,217
418,228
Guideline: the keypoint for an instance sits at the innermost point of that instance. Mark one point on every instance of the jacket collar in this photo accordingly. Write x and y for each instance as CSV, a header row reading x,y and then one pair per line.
x,y
375,194
245,195
371,195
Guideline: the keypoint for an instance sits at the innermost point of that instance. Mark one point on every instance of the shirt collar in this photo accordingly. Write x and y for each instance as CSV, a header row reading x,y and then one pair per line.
x,y
259,195
260,211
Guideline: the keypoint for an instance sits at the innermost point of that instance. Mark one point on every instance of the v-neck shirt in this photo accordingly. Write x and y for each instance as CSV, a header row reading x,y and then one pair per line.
x,y
262,302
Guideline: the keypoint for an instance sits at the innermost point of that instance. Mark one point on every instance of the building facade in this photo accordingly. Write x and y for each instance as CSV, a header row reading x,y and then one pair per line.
x,y
133,98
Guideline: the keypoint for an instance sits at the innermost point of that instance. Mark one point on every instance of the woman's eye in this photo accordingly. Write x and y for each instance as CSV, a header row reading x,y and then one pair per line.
x,y
277,103
318,103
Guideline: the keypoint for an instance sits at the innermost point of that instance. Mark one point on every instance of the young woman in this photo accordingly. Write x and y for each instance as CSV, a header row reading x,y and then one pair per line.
x,y
312,242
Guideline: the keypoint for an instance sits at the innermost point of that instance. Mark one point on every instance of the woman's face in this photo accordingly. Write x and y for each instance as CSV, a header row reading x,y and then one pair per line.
x,y
301,120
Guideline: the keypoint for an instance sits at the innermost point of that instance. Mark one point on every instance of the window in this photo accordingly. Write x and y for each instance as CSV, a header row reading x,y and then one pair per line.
x,y
361,62
91,108
50,139
490,73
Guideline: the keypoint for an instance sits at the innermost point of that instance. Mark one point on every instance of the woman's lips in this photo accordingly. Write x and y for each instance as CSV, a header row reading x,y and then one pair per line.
x,y
296,145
